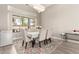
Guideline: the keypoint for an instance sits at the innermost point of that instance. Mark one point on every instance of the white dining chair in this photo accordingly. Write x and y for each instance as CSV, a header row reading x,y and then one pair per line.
x,y
42,37
26,38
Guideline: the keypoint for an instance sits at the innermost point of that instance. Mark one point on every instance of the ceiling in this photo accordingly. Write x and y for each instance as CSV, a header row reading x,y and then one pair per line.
x,y
46,5
39,7
29,8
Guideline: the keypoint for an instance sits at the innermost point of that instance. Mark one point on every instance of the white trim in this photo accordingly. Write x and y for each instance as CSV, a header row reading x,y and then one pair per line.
x,y
73,41
54,37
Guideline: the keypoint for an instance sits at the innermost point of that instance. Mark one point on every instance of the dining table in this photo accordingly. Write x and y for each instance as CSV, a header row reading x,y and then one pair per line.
x,y
34,35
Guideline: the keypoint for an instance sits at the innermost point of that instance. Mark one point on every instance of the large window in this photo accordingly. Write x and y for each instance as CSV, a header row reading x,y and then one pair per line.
x,y
31,22
16,21
23,21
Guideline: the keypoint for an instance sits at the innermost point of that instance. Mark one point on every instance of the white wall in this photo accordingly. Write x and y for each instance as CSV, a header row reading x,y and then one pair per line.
x,y
61,18
5,33
3,17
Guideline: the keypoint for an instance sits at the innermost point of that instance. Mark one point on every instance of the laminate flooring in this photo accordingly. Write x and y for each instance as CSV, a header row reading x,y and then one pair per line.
x,y
56,47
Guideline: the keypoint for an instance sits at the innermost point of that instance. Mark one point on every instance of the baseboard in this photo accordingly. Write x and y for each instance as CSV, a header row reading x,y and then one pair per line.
x,y
58,38
6,45
73,41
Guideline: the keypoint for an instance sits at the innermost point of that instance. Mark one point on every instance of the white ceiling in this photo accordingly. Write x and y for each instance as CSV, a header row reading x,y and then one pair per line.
x,y
23,7
40,7
27,7
46,5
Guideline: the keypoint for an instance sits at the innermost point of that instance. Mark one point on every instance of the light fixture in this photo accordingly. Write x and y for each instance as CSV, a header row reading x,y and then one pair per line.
x,y
38,7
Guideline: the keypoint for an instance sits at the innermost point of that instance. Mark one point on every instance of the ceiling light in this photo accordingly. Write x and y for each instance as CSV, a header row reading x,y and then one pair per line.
x,y
38,7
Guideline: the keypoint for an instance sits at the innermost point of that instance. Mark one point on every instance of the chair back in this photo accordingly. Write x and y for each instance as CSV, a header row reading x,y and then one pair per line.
x,y
25,35
42,35
49,33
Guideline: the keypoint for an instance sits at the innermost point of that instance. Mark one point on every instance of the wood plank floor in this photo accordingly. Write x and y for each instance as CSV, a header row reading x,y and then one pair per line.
x,y
56,47
67,48
45,49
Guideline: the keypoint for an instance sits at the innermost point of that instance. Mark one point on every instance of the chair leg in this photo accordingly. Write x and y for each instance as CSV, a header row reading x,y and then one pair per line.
x,y
23,43
44,42
33,43
50,40
39,44
26,45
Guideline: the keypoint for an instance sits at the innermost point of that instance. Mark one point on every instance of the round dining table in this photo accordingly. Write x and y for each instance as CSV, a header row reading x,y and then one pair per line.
x,y
34,35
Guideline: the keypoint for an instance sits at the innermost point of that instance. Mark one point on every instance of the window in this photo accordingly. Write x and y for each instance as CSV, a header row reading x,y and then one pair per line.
x,y
17,21
23,21
31,22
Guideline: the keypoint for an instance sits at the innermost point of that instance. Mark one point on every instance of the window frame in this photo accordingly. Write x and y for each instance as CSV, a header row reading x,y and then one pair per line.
x,y
28,26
